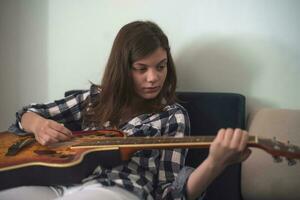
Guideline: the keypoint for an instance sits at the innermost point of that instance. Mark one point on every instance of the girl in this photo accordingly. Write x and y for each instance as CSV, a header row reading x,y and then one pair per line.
x,y
136,96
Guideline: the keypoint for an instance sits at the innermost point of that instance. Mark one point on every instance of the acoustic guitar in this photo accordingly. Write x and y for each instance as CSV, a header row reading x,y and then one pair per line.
x,y
23,161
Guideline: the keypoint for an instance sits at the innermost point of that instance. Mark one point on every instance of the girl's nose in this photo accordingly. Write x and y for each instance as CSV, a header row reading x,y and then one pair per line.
x,y
152,75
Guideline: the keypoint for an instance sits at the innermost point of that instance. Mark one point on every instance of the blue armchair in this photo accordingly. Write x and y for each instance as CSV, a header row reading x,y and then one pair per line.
x,y
208,113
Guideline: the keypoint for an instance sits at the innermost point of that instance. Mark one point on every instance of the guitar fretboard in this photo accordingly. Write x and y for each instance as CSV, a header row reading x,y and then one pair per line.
x,y
151,141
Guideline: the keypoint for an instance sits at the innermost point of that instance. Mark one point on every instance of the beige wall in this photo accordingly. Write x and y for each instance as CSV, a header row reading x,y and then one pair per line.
x,y
248,47
23,56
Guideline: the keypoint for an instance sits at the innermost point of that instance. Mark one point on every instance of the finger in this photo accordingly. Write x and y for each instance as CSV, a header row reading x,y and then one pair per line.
x,y
38,138
60,128
219,138
220,135
62,137
66,130
47,138
57,136
228,136
236,138
244,140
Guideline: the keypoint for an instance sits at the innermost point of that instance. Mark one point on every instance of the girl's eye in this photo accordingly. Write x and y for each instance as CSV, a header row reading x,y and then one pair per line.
x,y
139,69
161,67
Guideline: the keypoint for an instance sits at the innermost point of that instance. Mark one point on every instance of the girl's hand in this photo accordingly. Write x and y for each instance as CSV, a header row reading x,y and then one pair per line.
x,y
229,147
49,131
46,131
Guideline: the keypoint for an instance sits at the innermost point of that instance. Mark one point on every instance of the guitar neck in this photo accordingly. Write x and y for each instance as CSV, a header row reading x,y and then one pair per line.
x,y
154,142
127,145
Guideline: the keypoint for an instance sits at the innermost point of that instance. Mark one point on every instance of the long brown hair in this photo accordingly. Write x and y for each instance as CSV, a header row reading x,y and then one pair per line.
x,y
134,41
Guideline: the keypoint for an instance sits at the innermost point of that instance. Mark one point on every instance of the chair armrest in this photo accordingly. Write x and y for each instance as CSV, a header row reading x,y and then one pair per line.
x,y
260,173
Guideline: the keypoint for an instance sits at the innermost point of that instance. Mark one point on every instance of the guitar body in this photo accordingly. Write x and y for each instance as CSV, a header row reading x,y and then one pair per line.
x,y
35,164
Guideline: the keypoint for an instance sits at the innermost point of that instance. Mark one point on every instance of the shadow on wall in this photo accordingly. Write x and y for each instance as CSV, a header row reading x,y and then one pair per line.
x,y
221,65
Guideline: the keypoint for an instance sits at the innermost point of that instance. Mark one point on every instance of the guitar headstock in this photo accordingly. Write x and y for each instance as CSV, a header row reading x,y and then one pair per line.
x,y
278,149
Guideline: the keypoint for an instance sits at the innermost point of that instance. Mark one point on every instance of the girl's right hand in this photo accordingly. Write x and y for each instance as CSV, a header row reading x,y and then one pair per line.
x,y
49,131
46,131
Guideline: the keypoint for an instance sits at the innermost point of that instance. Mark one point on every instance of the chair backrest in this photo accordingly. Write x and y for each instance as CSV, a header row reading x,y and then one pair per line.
x,y
208,113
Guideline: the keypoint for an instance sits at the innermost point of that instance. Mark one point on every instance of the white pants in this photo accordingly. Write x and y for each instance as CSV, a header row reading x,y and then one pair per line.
x,y
89,192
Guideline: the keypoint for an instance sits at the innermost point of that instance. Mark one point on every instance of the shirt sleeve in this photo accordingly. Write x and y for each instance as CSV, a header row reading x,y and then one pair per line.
x,y
68,109
173,174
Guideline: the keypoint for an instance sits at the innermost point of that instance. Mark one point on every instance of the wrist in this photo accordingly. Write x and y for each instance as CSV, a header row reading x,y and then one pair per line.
x,y
30,122
214,164
202,177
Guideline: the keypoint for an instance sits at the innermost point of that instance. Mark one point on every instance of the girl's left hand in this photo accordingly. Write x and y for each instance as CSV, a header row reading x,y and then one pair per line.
x,y
229,147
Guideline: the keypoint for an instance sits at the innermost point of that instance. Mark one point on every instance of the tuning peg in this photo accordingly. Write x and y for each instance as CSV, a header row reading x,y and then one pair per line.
x,y
277,159
291,148
291,162
276,143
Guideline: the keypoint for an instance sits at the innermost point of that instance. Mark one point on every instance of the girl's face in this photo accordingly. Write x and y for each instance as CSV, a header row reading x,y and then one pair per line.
x,y
149,74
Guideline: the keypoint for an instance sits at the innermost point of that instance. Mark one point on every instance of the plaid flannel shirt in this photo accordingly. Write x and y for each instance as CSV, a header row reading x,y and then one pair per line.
x,y
150,174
